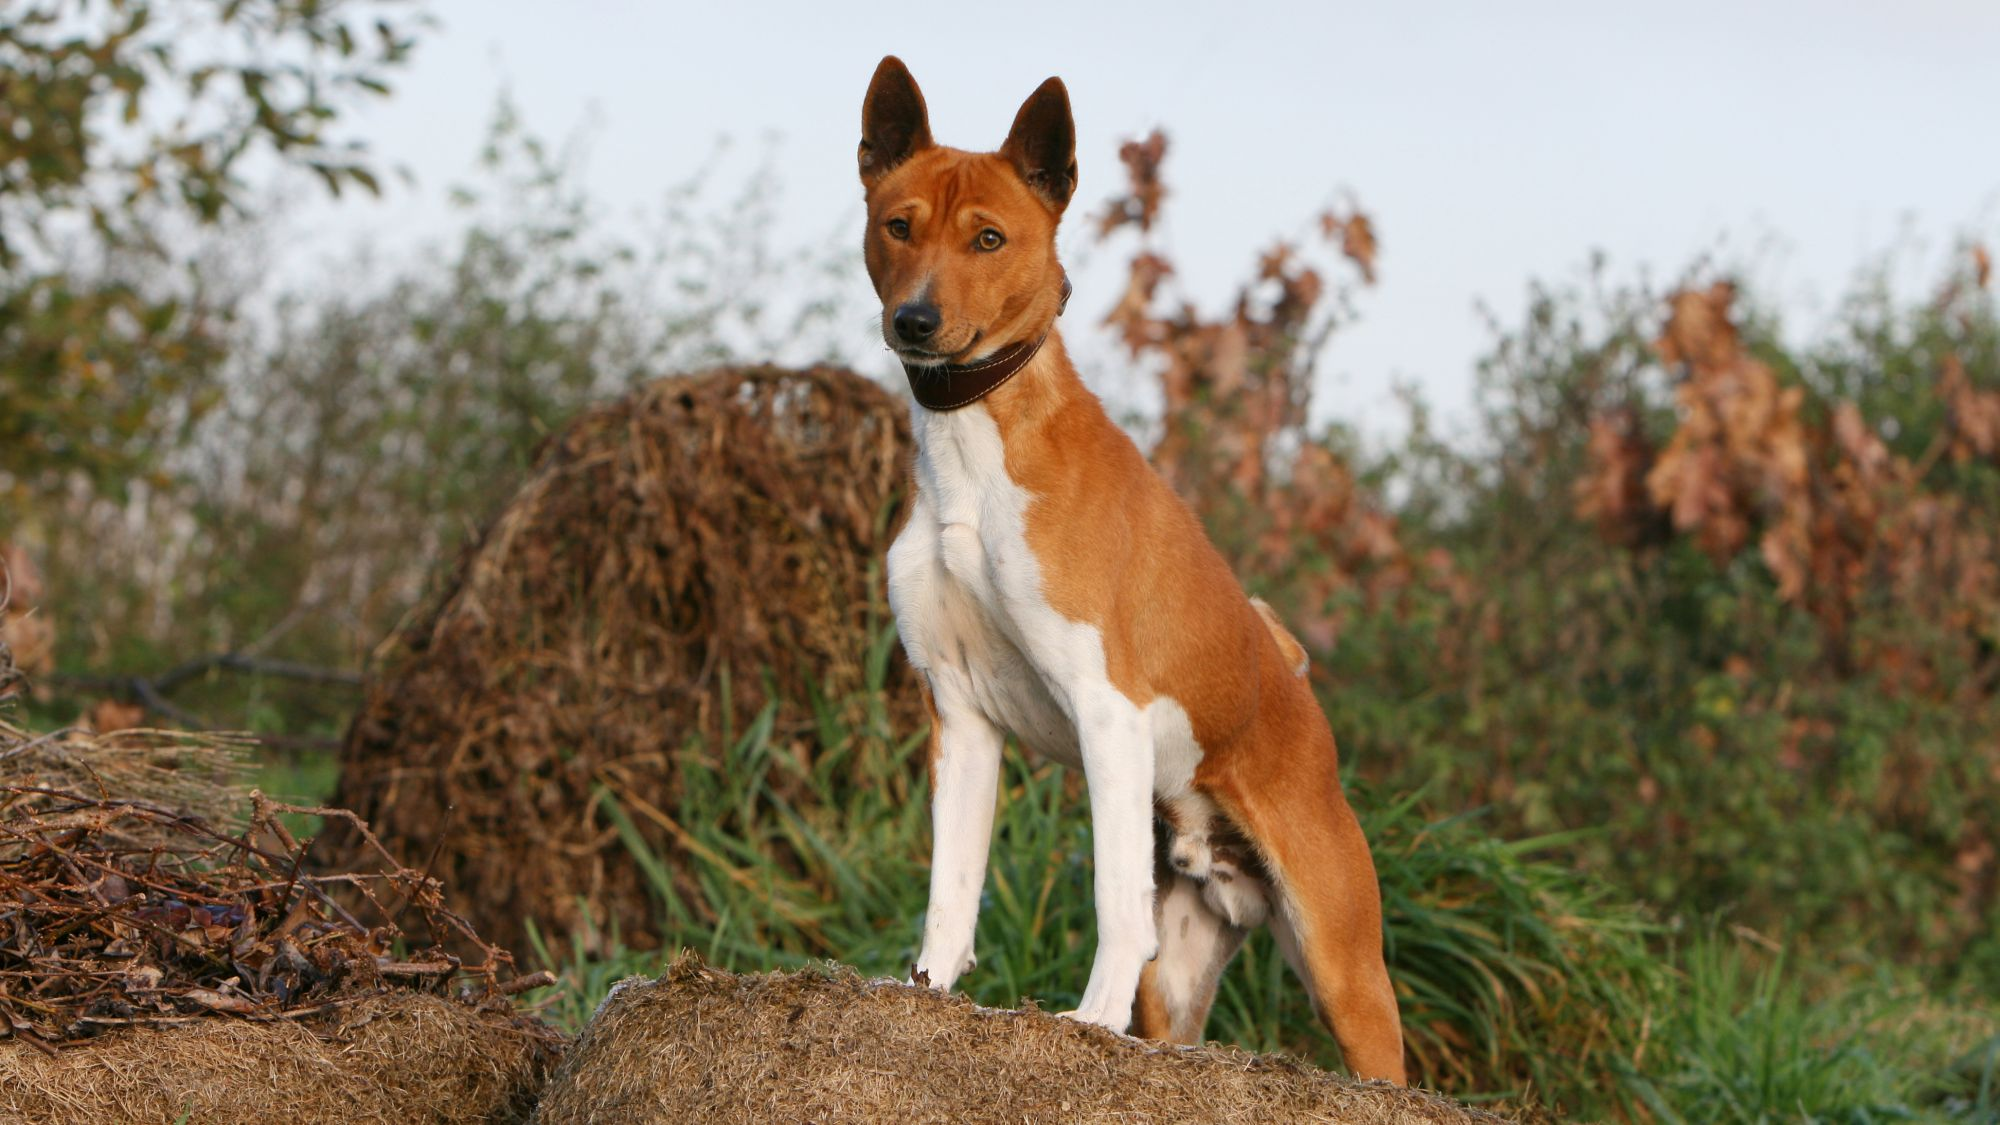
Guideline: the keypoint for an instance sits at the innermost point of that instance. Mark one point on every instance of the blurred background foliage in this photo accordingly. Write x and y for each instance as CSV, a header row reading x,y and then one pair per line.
x,y
1713,613
123,122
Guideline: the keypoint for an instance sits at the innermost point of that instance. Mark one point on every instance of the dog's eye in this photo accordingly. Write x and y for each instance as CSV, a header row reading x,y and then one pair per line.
x,y
990,239
899,228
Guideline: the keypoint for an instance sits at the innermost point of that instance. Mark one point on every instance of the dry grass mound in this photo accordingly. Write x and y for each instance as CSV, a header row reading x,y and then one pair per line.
x,y
675,561
401,1057
703,1045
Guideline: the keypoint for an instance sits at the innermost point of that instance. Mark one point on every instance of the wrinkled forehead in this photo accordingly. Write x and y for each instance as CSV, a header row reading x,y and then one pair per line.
x,y
955,184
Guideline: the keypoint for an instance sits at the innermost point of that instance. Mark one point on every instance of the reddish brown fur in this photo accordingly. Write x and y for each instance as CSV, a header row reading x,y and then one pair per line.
x,y
948,197
1117,547
1295,653
931,748
1150,1017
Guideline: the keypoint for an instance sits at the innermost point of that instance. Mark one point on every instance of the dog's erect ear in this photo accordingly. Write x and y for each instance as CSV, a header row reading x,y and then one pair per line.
x,y
894,123
1042,144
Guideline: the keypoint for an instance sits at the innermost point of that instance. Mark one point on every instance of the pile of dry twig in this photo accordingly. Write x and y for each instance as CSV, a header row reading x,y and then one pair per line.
x,y
118,911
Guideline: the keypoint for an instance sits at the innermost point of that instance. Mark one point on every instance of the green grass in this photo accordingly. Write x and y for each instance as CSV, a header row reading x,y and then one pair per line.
x,y
299,779
1520,979
1516,974
1744,1041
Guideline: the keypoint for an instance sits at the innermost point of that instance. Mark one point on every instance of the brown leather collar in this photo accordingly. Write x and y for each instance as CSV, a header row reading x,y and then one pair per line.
x,y
952,385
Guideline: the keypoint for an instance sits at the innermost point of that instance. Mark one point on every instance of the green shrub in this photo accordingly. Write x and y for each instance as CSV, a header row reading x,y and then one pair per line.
x,y
1826,776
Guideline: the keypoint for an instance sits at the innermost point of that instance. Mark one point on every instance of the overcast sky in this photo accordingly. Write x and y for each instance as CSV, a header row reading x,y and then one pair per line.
x,y
1492,143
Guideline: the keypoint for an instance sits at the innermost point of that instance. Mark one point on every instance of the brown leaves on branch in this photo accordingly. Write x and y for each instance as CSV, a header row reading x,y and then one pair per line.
x,y
1357,240
1614,494
1832,511
1141,206
1237,393
1974,414
1739,445
1132,315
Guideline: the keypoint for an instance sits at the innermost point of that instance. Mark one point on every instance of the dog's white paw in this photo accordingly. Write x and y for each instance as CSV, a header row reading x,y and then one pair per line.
x,y
1109,1021
924,974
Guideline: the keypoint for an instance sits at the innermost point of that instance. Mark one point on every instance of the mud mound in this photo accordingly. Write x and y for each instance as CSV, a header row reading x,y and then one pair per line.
x,y
704,1045
398,1057
675,561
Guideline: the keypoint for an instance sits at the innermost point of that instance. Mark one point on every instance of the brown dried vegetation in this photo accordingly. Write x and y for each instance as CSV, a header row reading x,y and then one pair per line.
x,y
155,960
126,913
1834,514
703,1045
676,562
1238,392
388,1058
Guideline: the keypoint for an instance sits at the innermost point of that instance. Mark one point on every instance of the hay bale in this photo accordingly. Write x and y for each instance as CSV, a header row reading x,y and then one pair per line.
x,y
395,1057
704,1045
675,561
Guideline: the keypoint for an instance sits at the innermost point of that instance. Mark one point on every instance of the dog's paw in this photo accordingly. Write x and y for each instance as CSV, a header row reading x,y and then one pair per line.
x,y
1111,1012
1191,856
1109,1021
934,972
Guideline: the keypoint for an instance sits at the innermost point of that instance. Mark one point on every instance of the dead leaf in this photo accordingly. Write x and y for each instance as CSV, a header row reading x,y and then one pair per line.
x,y
1357,241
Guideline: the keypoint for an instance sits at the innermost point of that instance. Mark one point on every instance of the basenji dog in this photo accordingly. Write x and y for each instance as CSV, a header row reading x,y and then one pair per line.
x,y
1050,585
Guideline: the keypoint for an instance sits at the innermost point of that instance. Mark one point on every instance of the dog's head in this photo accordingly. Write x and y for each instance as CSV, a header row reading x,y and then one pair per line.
x,y
961,245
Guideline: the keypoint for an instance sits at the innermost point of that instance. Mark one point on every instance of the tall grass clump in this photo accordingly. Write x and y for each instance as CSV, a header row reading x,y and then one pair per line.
x,y
1744,1040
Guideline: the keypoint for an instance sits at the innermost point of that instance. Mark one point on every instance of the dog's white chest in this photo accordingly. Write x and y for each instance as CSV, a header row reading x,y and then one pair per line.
x,y
966,587
970,603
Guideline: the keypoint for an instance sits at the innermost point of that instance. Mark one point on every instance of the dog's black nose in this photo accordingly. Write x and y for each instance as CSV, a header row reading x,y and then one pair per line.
x,y
915,323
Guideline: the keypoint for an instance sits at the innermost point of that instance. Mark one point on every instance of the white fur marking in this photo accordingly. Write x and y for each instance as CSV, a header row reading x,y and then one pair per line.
x,y
968,775
1241,897
971,609
1195,945
1236,895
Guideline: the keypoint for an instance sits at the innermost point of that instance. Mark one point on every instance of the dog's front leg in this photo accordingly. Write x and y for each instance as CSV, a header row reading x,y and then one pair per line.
x,y
965,773
1117,751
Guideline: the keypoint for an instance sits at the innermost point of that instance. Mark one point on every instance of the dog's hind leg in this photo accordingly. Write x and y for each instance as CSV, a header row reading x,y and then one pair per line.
x,y
1178,987
1328,913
